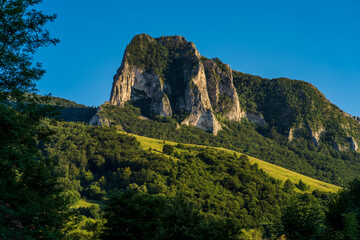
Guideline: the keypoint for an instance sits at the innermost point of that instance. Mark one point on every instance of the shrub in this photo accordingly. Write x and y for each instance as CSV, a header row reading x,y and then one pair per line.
x,y
168,149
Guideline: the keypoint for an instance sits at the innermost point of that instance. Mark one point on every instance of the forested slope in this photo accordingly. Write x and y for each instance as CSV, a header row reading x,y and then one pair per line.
x,y
323,162
95,162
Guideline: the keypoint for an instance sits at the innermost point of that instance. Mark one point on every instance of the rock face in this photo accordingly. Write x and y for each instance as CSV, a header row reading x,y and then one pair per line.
x,y
133,83
353,117
293,132
221,90
350,145
167,76
356,118
255,118
315,135
98,120
353,144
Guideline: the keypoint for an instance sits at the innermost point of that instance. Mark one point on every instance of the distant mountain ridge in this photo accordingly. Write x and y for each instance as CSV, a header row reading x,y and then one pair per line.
x,y
167,76
297,109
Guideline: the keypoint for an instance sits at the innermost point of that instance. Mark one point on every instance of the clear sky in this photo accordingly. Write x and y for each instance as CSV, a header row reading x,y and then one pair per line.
x,y
315,41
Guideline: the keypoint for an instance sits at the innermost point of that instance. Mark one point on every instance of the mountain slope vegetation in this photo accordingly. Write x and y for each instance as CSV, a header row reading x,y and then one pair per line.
x,y
271,169
297,109
94,162
323,162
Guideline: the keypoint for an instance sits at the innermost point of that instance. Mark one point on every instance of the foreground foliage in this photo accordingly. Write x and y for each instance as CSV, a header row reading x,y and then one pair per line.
x,y
31,204
134,215
21,34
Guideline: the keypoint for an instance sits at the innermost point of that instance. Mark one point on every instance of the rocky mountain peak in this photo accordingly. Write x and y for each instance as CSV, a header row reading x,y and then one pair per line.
x,y
167,76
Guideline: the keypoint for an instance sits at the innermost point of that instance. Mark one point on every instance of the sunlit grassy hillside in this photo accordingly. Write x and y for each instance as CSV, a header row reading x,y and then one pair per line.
x,y
273,170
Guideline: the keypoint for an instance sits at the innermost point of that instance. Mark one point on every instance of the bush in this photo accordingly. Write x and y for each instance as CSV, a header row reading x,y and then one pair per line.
x,y
302,186
168,149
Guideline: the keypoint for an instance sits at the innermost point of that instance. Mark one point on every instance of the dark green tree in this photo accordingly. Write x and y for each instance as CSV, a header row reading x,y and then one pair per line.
x,y
303,218
168,149
182,221
21,34
133,216
343,216
302,186
31,206
288,185
140,216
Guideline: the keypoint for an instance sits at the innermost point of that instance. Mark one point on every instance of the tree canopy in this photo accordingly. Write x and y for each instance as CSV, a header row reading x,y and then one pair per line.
x,y
22,32
31,203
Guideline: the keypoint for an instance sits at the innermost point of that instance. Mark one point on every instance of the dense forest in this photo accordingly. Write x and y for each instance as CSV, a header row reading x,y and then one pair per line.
x,y
94,162
301,155
291,104
210,194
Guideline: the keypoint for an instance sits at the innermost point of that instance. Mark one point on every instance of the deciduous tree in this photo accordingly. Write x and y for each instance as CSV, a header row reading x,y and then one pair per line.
x,y
31,206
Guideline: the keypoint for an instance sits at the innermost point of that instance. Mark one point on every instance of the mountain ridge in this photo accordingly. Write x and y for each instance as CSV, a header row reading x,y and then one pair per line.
x,y
286,122
167,76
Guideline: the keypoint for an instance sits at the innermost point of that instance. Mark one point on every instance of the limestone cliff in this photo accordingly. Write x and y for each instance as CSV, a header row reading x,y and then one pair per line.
x,y
167,76
315,134
353,144
133,83
221,90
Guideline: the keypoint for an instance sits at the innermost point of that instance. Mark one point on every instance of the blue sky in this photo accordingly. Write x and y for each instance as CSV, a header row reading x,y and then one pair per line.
x,y
315,41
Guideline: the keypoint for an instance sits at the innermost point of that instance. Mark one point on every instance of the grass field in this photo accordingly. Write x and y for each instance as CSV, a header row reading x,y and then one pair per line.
x,y
273,170
87,203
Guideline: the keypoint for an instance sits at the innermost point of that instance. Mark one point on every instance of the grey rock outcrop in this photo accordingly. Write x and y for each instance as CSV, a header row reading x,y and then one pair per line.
x,y
98,120
353,117
315,134
356,118
353,144
168,76
222,93
255,118
197,100
338,147
293,132
133,83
